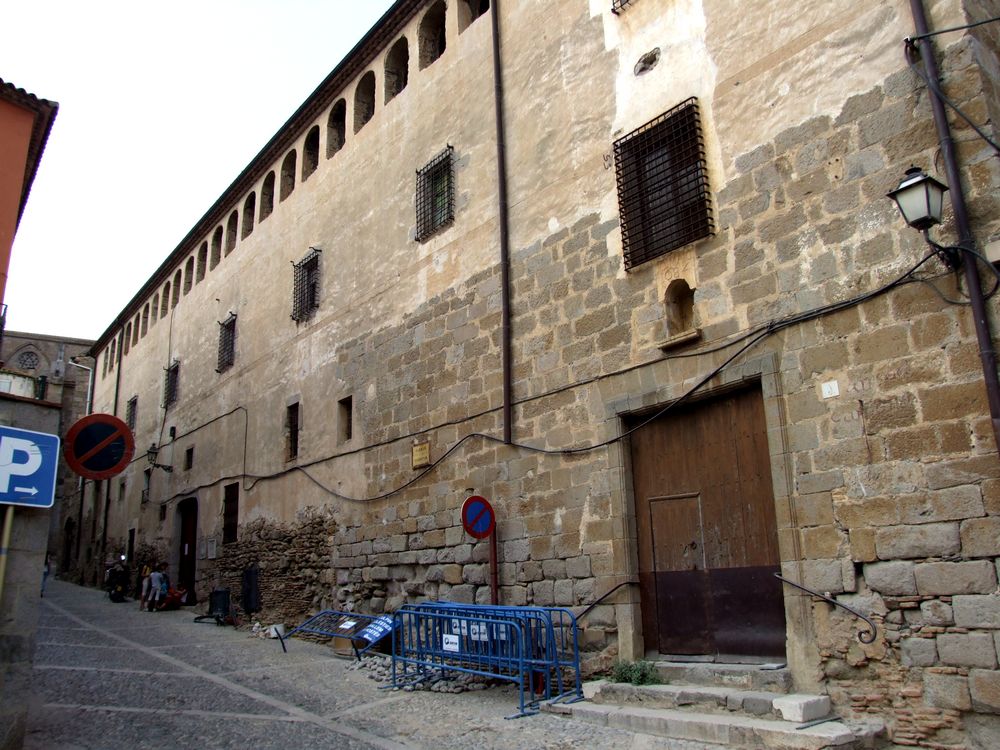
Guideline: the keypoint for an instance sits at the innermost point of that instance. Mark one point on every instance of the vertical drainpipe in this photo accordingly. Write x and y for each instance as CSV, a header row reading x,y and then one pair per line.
x,y
502,218
972,280
107,484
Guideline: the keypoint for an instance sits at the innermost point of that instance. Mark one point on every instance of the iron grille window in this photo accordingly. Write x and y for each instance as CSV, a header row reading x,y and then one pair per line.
x,y
227,343
617,6
170,383
663,197
435,194
130,412
305,286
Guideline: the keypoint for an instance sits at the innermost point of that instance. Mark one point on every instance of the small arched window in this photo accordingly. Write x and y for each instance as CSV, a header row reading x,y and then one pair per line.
x,y
155,310
135,329
202,261
177,289
128,338
364,101
267,196
28,360
113,352
432,37
397,64
232,227
288,175
188,274
469,11
336,128
310,153
249,208
216,248
165,300
145,319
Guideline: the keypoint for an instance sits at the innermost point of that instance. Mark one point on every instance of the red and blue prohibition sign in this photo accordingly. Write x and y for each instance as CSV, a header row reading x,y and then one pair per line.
x,y
478,518
99,446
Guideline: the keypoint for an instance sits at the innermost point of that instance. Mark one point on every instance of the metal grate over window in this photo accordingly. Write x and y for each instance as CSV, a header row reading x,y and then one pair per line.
x,y
663,196
131,408
170,382
227,343
617,6
435,194
305,286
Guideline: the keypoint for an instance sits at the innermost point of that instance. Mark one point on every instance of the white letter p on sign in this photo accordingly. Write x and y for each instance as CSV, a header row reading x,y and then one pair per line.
x,y
9,448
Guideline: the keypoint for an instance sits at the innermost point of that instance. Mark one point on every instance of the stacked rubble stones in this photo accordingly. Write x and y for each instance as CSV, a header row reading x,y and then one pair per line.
x,y
294,561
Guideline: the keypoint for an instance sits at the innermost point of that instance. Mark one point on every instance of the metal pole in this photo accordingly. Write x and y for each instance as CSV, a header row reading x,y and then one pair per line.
x,y
8,526
494,570
986,353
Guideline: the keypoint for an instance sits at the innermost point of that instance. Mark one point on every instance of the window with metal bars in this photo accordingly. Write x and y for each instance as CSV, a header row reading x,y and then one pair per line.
x,y
617,6
305,286
131,407
663,197
435,194
227,343
170,382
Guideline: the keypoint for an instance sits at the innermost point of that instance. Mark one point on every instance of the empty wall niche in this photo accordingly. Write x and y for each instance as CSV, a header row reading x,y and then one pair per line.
x,y
397,64
364,101
336,128
679,322
469,11
288,175
310,153
432,38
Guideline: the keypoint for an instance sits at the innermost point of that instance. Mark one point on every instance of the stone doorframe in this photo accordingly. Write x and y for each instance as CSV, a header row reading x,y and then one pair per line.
x,y
668,383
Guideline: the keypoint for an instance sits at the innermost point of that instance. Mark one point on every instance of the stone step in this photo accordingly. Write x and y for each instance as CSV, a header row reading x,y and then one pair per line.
x,y
726,730
711,699
774,678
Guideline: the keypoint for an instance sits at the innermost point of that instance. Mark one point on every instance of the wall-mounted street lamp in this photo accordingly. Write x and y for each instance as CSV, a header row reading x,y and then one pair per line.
x,y
920,199
151,455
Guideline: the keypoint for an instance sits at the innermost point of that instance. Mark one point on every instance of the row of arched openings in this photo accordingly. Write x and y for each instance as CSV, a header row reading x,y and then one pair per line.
x,y
431,42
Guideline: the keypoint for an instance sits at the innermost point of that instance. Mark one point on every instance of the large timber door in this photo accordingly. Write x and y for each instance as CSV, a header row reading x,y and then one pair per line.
x,y
188,509
707,537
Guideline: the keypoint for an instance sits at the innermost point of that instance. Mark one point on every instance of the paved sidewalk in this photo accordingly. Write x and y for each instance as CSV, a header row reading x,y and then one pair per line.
x,y
108,676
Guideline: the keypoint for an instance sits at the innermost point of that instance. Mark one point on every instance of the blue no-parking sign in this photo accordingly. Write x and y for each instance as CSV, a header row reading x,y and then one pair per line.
x,y
28,464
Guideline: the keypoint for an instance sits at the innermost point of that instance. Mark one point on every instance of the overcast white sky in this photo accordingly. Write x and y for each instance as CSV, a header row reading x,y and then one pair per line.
x,y
161,105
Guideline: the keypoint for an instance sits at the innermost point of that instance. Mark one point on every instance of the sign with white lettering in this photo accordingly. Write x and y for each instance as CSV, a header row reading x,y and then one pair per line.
x,y
28,464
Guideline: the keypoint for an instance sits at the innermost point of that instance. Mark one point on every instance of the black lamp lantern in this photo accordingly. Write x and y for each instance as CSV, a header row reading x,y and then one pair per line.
x,y
920,199
151,453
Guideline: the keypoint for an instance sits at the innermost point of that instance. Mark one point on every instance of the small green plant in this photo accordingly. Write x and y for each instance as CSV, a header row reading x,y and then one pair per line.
x,y
637,672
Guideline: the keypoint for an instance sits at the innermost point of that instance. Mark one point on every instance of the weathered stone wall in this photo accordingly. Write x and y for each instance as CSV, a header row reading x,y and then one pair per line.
x,y
293,560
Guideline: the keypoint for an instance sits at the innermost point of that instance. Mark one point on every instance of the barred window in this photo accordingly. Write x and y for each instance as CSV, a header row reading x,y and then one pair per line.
x,y
617,6
130,412
170,383
663,197
435,194
227,343
305,286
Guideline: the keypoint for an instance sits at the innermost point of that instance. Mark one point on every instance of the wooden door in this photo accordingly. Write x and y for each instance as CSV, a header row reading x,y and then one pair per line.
x,y
706,529
189,545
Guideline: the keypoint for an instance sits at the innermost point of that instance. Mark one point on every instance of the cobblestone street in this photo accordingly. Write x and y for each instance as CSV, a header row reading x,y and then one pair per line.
x,y
108,676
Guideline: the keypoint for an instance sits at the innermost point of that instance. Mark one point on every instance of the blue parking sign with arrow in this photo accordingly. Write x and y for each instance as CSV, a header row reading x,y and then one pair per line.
x,y
28,464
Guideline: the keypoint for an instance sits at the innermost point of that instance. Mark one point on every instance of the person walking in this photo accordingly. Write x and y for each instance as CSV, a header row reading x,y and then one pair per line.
x,y
156,582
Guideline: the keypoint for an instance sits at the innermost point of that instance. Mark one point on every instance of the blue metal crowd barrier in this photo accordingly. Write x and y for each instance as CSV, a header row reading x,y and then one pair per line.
x,y
553,644
549,657
359,630
427,644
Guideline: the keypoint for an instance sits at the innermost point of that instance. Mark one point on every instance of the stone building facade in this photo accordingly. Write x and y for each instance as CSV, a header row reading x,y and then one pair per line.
x,y
60,370
726,358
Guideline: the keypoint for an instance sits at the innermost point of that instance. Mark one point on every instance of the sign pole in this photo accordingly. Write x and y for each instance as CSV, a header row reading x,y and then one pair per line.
x,y
8,525
494,574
